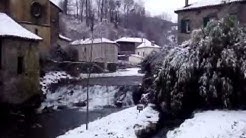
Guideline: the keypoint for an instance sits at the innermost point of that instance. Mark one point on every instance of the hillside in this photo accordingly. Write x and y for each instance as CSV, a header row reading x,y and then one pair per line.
x,y
114,21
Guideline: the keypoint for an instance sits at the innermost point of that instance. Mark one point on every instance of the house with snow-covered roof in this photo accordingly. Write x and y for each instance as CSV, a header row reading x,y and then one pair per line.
x,y
99,50
19,62
196,15
143,50
127,46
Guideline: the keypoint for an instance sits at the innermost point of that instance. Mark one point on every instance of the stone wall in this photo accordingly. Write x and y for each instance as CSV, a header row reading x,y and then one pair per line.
x,y
102,52
19,87
196,16
43,32
54,23
145,51
20,10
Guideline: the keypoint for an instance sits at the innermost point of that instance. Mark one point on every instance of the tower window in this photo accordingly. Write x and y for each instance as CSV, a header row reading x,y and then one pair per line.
x,y
36,31
20,65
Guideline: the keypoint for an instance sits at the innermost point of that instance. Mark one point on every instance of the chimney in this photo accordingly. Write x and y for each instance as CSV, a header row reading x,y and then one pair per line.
x,y
152,43
186,3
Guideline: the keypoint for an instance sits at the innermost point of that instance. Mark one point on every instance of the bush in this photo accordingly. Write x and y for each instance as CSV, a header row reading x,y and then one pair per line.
x,y
208,73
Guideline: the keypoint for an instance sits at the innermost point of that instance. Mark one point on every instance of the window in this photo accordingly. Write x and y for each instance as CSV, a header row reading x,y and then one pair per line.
x,y
143,54
207,19
36,31
20,65
1,54
185,26
138,53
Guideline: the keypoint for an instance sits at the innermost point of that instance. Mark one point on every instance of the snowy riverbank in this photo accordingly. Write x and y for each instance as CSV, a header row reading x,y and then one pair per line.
x,y
99,96
56,76
122,124
212,124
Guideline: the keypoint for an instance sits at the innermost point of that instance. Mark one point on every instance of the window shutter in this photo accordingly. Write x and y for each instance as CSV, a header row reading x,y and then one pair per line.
x,y
205,21
182,26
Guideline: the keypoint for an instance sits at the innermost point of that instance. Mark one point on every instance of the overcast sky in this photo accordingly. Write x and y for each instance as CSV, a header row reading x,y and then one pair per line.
x,y
156,7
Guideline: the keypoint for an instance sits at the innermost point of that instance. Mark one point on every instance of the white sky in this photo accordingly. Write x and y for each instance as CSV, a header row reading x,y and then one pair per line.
x,y
156,7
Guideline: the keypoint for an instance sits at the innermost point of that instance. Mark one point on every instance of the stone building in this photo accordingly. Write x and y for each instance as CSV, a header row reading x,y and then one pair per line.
x,y
33,15
101,51
23,24
143,50
19,62
127,46
197,15
38,16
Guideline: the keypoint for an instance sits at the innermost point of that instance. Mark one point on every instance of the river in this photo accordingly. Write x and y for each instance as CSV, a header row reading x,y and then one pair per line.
x,y
57,122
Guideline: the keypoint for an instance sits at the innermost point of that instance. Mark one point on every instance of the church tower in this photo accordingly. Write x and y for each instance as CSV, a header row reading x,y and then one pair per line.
x,y
34,15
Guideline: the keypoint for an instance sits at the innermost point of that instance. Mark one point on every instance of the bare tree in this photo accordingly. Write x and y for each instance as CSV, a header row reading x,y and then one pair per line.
x,y
82,5
127,4
65,6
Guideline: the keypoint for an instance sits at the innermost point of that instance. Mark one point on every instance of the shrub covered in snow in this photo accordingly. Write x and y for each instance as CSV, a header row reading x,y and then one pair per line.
x,y
151,66
209,72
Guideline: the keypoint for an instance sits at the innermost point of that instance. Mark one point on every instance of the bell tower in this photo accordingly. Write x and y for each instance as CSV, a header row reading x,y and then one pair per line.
x,y
34,15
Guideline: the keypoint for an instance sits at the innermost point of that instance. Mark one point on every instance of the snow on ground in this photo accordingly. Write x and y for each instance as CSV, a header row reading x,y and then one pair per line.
x,y
212,124
117,125
99,97
119,73
54,77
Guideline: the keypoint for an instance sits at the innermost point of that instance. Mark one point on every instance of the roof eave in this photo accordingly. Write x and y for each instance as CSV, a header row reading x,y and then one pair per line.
x,y
18,37
60,9
205,7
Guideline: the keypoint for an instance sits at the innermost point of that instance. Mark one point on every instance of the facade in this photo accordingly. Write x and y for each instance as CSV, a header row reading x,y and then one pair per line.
x,y
40,17
101,51
144,50
34,16
19,62
197,15
27,29
54,22
127,46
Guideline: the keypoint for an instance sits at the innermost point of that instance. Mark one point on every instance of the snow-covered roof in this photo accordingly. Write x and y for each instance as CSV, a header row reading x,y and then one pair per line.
x,y
148,44
206,3
131,39
10,28
95,41
64,38
56,3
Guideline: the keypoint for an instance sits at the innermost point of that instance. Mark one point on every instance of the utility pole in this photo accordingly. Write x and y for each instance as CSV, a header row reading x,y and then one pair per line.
x,y
89,69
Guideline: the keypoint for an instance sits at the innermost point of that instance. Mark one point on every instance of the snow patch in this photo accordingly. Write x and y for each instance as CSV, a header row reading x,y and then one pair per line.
x,y
212,124
8,27
56,76
119,73
117,125
95,41
99,97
